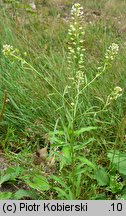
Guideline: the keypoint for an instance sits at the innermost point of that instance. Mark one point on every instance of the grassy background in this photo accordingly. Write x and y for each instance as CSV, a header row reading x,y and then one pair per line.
x,y
33,106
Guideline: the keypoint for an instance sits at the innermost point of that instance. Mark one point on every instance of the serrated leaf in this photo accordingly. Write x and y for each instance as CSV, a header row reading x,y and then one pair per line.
x,y
119,160
56,132
59,180
5,178
11,174
66,151
14,171
23,193
81,169
87,162
84,129
5,195
82,145
101,176
123,197
66,159
38,182
101,196
123,193
62,193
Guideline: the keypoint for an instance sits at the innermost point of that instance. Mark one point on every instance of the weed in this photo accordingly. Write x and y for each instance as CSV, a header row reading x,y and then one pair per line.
x,y
73,99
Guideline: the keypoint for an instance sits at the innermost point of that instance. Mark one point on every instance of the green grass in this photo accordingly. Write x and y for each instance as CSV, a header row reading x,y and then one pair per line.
x,y
37,104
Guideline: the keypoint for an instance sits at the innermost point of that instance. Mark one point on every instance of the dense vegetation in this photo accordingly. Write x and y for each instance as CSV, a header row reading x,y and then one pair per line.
x,y
63,99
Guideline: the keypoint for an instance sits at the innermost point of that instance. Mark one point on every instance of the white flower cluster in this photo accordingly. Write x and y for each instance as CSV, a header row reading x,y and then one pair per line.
x,y
75,48
13,54
112,51
77,10
80,77
7,49
116,93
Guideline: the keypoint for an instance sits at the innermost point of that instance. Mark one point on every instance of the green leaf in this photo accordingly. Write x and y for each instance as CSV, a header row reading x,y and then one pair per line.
x,y
115,186
87,162
101,176
56,132
85,129
23,193
66,159
57,142
78,186
5,178
123,193
82,145
71,196
123,197
66,151
62,194
5,195
59,180
101,196
81,169
14,171
38,182
11,174
119,160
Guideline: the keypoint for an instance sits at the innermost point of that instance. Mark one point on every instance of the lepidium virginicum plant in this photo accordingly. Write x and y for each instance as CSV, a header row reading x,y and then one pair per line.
x,y
72,160
72,171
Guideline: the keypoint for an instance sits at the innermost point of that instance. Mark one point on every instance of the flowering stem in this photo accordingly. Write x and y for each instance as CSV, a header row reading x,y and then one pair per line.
x,y
97,75
77,99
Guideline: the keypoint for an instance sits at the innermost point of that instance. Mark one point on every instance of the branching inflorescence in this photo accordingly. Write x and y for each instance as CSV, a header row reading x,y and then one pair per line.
x,y
76,61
